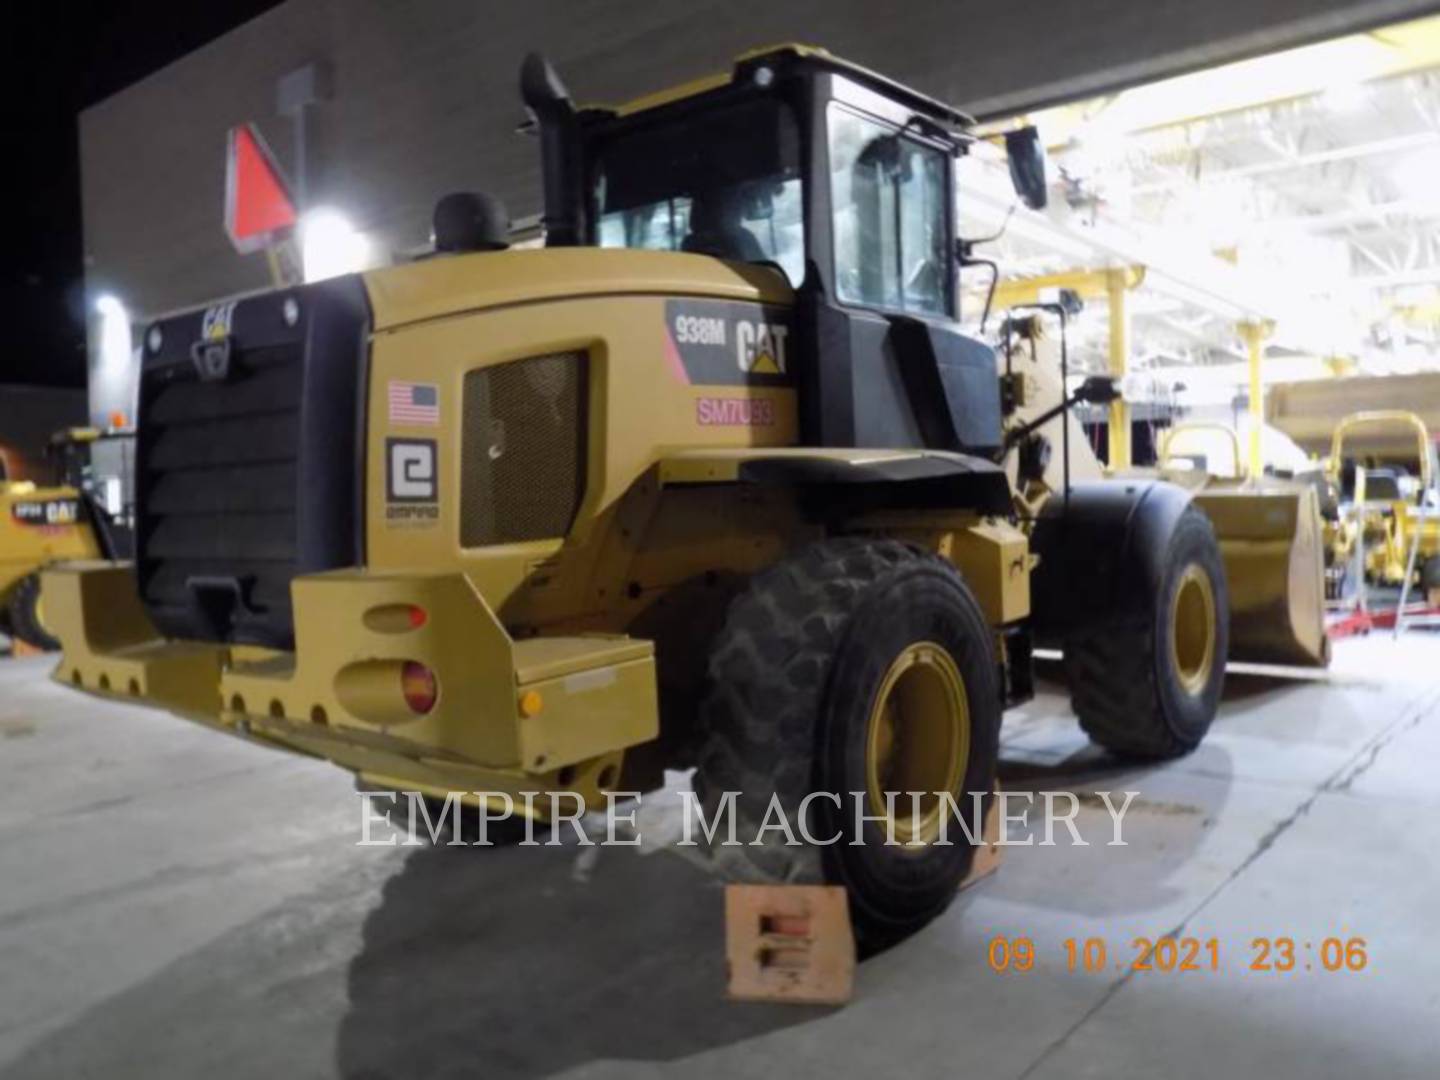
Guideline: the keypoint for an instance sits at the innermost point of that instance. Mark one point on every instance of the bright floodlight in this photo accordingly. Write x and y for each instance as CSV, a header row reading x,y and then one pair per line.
x,y
330,245
114,333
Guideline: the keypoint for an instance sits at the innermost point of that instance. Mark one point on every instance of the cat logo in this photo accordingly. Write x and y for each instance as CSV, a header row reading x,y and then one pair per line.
x,y
215,326
760,347
727,343
51,512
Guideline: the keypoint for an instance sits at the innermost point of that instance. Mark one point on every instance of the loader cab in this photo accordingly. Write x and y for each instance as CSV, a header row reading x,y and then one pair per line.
x,y
793,163
830,175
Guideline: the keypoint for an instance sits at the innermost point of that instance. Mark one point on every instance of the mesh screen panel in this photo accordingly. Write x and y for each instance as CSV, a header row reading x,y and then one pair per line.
x,y
522,449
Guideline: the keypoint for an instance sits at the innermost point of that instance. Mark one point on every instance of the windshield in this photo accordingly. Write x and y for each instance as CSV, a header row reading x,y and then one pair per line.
x,y
722,182
889,199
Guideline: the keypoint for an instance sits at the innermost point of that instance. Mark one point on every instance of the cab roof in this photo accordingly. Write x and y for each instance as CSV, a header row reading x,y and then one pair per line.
x,y
810,56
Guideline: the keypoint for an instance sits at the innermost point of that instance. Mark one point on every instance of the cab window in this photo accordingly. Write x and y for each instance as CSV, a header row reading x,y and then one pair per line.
x,y
723,181
889,199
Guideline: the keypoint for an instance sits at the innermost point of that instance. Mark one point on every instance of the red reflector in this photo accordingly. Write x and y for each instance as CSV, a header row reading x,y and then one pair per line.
x,y
418,684
417,617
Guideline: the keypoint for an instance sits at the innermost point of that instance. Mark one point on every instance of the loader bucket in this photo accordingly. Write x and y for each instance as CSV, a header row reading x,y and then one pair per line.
x,y
1270,539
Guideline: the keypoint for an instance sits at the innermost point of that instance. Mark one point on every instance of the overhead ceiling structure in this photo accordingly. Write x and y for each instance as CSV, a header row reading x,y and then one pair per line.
x,y
1298,193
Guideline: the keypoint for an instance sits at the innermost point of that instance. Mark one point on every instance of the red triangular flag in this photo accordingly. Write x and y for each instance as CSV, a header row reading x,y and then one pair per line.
x,y
257,200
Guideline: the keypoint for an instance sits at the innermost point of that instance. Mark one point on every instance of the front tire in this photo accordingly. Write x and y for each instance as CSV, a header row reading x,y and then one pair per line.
x,y
853,668
1149,688
27,617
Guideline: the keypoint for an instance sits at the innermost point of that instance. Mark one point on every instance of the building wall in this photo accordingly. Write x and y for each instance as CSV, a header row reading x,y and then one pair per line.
x,y
425,99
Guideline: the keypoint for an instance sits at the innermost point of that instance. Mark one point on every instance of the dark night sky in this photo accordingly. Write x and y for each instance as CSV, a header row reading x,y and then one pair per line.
x,y
60,56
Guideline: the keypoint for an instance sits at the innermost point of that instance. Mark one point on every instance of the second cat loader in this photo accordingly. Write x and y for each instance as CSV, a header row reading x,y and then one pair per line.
x,y
712,480
44,524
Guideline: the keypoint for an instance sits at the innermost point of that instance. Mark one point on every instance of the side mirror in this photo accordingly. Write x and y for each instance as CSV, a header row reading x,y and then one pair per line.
x,y
1027,166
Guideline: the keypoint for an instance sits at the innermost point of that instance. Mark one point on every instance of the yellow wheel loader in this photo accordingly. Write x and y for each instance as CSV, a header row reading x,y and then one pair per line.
x,y
43,525
713,479
1270,527
1383,470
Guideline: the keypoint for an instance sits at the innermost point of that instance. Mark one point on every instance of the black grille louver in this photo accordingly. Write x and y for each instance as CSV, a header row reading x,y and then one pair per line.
x,y
246,481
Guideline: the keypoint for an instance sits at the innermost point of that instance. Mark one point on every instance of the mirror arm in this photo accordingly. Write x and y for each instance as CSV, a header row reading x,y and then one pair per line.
x,y
969,258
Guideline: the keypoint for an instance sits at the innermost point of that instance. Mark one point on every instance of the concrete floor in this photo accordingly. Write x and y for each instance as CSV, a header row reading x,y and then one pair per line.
x,y
178,904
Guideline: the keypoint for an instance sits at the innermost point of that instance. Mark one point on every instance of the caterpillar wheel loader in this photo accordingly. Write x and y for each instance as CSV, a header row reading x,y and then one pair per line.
x,y
712,479
42,525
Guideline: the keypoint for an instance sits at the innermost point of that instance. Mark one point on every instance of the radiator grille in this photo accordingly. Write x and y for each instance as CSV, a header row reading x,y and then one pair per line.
x,y
219,476
523,449
248,476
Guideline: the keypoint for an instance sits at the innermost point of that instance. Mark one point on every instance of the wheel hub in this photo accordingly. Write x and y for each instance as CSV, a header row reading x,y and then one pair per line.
x,y
1192,629
918,740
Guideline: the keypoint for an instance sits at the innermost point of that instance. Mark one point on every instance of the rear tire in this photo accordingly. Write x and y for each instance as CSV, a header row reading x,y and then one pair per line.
x,y
1150,688
25,616
811,662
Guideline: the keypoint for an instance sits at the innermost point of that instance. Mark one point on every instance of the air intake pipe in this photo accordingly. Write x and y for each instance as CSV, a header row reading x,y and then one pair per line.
x,y
555,117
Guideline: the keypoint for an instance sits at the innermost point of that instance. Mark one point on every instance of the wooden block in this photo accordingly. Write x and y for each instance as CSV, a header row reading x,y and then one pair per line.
x,y
987,855
789,943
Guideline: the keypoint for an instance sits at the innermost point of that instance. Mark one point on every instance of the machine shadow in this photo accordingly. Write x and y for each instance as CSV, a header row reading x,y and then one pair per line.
x,y
530,961
1176,806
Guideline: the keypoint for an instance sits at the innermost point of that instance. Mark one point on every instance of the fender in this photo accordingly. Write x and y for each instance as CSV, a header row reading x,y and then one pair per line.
x,y
1101,555
913,479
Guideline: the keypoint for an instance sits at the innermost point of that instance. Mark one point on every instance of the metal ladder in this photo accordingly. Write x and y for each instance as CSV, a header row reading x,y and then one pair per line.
x,y
1421,514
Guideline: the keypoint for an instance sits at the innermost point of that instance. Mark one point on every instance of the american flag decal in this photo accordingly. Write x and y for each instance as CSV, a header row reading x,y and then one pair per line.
x,y
414,404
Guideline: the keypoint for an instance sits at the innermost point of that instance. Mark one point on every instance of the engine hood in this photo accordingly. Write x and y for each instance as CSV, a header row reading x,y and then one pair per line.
x,y
451,284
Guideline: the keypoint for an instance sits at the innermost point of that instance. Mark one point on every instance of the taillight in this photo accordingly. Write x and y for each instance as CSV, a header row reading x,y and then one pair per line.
x,y
395,618
419,686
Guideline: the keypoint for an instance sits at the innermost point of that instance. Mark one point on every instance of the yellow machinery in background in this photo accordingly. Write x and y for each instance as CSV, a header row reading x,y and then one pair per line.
x,y
44,524
1382,465
1270,529
38,526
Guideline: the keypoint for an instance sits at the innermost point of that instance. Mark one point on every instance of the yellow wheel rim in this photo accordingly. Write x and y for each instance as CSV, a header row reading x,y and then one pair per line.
x,y
918,740
40,612
1192,626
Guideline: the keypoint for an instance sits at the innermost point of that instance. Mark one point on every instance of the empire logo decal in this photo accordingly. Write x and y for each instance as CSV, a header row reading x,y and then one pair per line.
x,y
726,343
412,483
